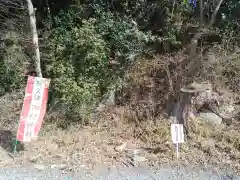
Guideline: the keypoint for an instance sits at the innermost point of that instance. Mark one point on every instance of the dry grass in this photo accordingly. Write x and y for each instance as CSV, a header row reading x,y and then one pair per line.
x,y
150,84
139,122
75,147
216,145
92,147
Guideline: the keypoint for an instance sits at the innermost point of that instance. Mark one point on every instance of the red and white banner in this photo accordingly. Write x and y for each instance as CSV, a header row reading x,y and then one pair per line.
x,y
34,108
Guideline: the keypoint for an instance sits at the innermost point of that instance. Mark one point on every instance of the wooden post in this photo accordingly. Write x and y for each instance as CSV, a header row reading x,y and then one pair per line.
x,y
37,61
188,92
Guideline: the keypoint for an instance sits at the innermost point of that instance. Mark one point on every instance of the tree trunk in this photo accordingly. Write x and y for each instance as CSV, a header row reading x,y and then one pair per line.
x,y
37,61
203,30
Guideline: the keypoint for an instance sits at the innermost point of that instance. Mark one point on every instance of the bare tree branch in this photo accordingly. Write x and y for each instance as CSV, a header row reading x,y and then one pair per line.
x,y
37,61
213,17
203,30
201,13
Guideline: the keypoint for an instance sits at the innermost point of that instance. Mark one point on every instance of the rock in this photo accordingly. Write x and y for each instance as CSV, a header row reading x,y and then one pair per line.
x,y
206,99
197,87
121,147
138,159
132,148
210,117
33,159
39,166
208,143
59,166
227,111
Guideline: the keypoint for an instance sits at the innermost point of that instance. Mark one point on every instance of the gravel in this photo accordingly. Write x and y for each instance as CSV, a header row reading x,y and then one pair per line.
x,y
113,174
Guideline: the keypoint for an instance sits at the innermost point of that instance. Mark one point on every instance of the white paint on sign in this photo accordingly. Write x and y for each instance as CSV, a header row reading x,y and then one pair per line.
x,y
177,133
34,112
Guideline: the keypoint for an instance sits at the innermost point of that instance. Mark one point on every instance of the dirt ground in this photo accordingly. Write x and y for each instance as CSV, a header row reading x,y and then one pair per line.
x,y
117,138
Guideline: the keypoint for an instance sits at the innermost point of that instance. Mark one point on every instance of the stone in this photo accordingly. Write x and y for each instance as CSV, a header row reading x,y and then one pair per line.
x,y
39,166
58,166
121,147
208,143
33,159
197,87
210,117
227,111
139,159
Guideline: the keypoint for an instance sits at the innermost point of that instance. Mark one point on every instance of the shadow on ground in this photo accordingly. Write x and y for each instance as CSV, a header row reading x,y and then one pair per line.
x,y
156,150
7,140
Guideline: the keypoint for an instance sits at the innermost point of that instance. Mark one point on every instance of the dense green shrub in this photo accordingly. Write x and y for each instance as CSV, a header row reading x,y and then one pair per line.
x,y
85,36
78,64
79,54
123,35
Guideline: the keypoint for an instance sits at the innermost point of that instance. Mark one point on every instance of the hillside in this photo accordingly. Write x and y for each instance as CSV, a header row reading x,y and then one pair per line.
x,y
121,73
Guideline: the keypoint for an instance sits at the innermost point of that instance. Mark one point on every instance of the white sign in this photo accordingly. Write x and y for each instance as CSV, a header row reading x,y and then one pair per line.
x,y
177,133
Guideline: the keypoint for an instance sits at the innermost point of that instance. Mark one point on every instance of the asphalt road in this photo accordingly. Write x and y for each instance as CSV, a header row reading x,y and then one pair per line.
x,y
114,174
